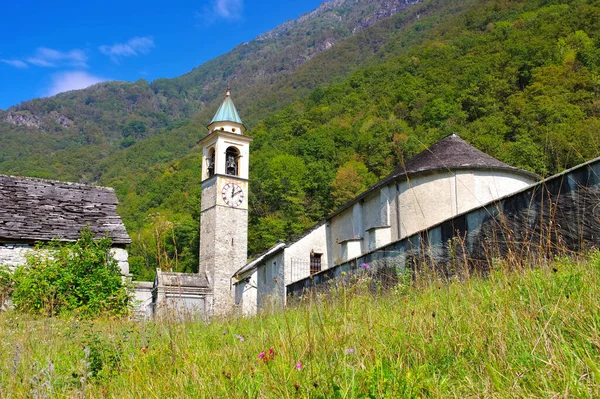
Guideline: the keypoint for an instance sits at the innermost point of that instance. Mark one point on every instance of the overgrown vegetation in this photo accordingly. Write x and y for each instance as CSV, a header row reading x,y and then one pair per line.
x,y
80,279
532,332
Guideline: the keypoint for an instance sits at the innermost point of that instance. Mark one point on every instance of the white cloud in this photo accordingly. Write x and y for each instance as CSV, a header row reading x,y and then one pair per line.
x,y
72,80
15,63
47,57
133,47
229,9
222,9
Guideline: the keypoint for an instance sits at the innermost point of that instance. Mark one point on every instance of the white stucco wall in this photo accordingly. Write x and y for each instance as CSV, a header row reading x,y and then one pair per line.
x,y
297,255
403,208
270,282
246,295
430,199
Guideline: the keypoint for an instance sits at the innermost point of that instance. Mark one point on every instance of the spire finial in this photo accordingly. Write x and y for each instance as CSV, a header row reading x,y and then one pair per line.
x,y
228,92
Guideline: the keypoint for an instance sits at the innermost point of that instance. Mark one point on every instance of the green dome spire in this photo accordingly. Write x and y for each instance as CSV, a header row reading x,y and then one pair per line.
x,y
227,111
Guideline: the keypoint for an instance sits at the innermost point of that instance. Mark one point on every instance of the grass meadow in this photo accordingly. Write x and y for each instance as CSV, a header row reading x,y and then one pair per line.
x,y
532,332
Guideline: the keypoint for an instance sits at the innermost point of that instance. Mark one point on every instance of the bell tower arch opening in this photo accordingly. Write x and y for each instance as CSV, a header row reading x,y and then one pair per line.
x,y
210,163
232,157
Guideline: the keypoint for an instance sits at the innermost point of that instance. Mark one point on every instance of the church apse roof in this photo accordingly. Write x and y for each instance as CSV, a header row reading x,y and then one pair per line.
x,y
44,210
449,154
453,152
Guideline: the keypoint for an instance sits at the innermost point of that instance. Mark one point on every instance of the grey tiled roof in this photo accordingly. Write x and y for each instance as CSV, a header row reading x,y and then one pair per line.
x,y
43,210
450,153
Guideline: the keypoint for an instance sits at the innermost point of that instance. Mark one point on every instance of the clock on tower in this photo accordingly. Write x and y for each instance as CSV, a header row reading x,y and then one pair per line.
x,y
224,209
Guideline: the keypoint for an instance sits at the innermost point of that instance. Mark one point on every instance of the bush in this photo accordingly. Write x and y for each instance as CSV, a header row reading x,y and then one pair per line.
x,y
81,278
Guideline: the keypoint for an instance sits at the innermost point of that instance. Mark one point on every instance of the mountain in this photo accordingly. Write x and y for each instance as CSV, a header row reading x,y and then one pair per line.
x,y
518,79
109,116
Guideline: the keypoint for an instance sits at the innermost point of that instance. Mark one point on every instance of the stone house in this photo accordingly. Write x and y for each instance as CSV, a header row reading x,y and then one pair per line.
x,y
448,178
35,211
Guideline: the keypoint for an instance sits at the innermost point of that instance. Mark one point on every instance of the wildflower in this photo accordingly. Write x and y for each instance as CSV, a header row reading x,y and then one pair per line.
x,y
298,366
239,337
349,351
266,356
365,266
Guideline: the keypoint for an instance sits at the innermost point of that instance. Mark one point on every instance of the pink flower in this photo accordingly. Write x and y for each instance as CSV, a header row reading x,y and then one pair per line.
x,y
261,355
239,337
298,366
271,352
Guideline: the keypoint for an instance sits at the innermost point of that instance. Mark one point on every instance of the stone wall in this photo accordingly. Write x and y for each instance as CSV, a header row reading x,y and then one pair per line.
x,y
558,215
13,255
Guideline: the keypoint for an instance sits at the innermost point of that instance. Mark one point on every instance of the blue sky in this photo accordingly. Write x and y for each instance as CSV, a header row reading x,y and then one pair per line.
x,y
51,46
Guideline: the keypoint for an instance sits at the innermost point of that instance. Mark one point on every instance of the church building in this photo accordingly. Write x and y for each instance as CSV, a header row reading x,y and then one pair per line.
x,y
448,178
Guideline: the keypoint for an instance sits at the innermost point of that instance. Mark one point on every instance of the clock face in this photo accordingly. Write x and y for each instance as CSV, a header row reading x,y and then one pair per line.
x,y
232,194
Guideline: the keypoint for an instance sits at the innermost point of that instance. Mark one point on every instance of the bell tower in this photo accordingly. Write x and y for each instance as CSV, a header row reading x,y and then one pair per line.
x,y
224,209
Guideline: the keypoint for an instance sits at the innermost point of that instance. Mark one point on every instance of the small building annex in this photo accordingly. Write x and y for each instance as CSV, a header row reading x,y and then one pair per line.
x,y
448,178
33,211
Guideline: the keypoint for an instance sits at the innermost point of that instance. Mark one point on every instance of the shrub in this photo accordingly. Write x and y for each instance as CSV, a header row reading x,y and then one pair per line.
x,y
81,278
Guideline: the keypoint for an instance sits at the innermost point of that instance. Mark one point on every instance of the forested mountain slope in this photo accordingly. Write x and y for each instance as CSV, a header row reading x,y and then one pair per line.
x,y
65,135
518,79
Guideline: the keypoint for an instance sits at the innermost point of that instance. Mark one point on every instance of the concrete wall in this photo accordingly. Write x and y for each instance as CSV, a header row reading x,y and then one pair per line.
x,y
558,215
142,296
246,295
270,282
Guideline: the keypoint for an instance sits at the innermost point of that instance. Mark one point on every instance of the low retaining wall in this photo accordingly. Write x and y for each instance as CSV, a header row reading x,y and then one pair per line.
x,y
559,214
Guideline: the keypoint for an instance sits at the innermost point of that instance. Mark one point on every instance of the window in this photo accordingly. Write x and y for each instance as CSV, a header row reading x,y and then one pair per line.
x,y
211,163
232,156
315,263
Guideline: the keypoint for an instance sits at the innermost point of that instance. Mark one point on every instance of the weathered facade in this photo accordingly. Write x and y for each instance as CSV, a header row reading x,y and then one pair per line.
x,y
37,210
448,178
559,215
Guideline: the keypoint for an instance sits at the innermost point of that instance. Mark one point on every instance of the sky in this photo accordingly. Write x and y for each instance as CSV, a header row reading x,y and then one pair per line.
x,y
47,47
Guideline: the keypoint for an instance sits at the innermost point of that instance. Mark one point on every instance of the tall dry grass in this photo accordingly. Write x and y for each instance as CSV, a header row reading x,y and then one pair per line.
x,y
533,332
